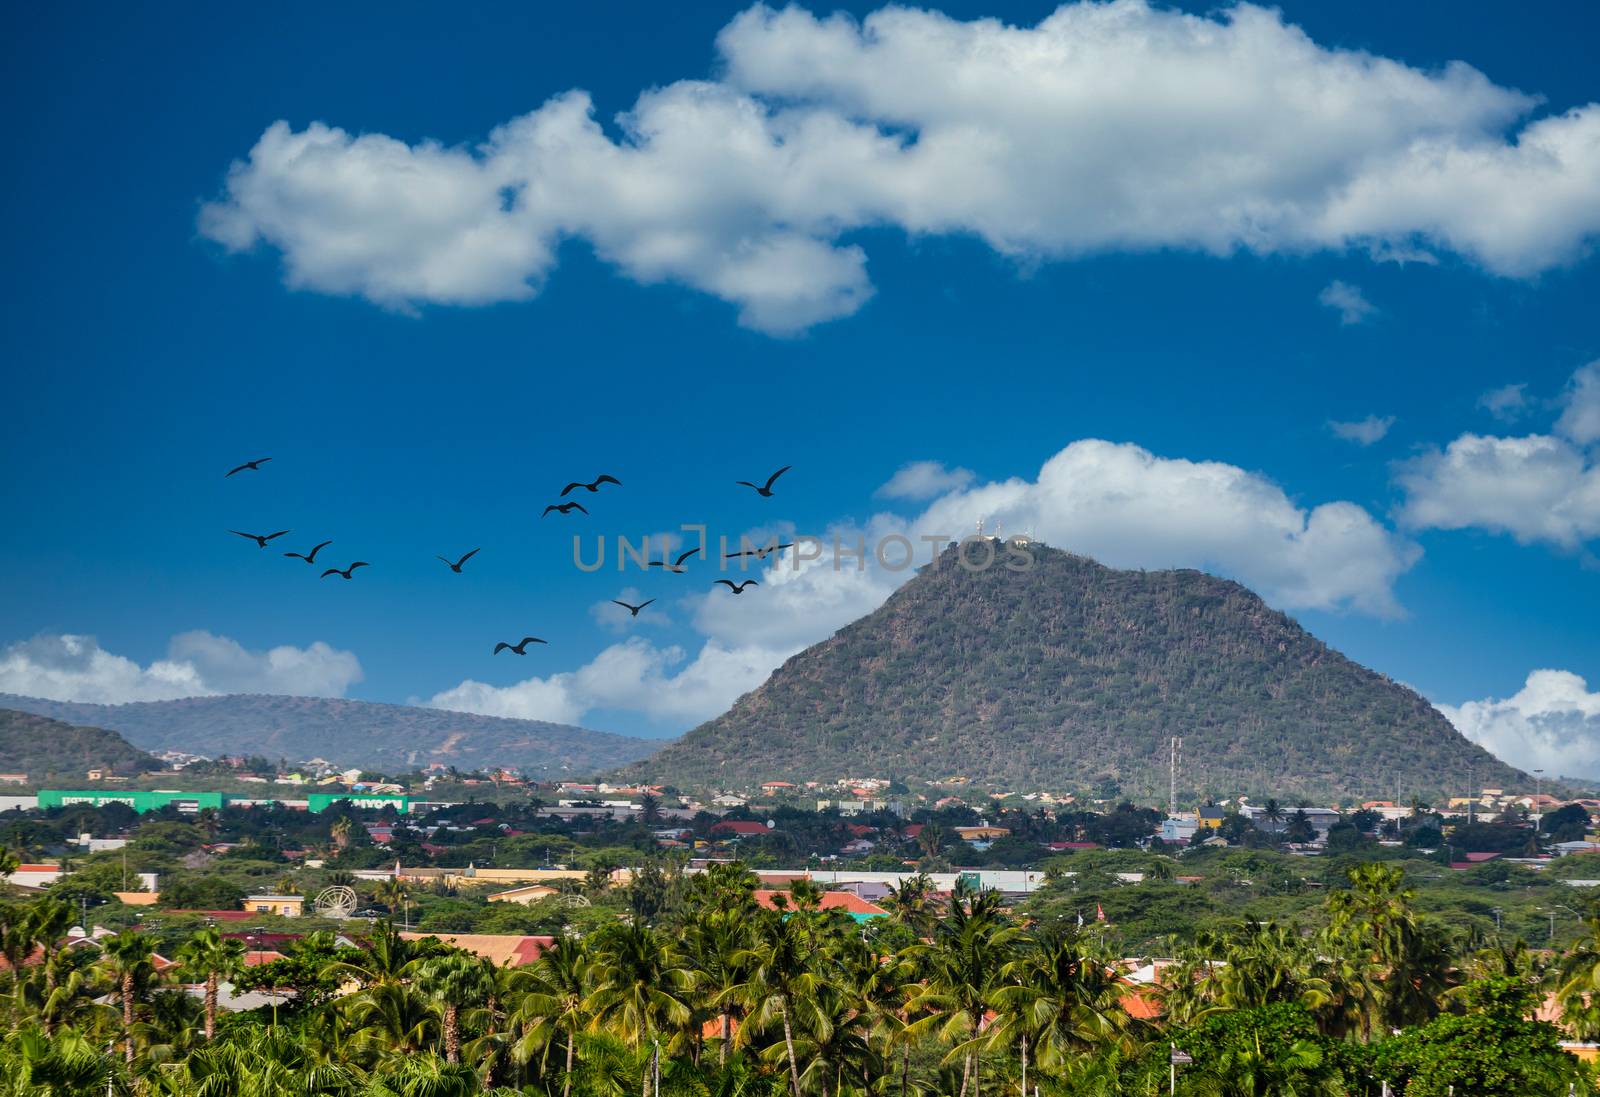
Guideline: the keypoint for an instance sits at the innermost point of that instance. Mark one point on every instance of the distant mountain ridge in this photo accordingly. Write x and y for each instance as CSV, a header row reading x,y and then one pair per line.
x,y
44,748
349,733
1074,675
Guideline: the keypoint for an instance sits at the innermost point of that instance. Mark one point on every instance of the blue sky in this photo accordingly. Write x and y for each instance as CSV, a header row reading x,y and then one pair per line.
x,y
1134,275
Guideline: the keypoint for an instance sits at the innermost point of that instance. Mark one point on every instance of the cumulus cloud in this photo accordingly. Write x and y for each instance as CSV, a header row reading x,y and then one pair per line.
x,y
1538,488
615,618
1119,503
1506,402
920,480
1580,415
1106,126
1552,723
1363,432
1348,301
77,668
636,675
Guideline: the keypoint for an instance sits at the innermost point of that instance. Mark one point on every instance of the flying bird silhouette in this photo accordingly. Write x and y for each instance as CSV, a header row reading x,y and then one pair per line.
x,y
456,567
676,565
632,609
759,553
260,539
254,466
765,490
737,588
593,485
309,557
564,508
520,649
346,572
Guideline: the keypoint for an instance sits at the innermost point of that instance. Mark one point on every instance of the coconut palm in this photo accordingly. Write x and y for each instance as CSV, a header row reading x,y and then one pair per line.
x,y
911,903
454,981
212,958
781,969
642,988
556,1001
715,944
129,957
1058,1000
970,948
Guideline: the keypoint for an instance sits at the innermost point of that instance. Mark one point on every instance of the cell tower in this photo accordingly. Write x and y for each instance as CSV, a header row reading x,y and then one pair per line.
x,y
1172,776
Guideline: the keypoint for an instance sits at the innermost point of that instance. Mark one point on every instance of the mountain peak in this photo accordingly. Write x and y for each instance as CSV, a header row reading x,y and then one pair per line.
x,y
1071,675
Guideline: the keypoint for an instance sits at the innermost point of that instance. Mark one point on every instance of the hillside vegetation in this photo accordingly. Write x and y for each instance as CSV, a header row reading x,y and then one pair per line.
x,y
44,748
353,733
1075,675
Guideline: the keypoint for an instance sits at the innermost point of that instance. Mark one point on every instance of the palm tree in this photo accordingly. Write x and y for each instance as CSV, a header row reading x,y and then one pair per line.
x,y
715,944
641,987
557,1001
911,903
214,958
391,1020
1059,999
394,894
782,973
340,832
128,955
455,981
384,959
970,948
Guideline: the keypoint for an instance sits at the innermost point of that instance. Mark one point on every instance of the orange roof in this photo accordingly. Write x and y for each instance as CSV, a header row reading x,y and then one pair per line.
x,y
501,949
831,900
1141,1003
257,957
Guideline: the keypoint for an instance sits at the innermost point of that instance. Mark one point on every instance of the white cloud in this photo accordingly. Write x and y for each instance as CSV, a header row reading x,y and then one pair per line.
x,y
1580,415
1536,488
1348,301
635,675
1108,126
920,480
1363,432
1552,723
1541,487
614,618
1506,402
1126,507
76,668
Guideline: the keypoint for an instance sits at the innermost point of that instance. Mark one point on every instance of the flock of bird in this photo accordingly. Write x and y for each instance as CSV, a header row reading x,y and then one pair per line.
x,y
675,566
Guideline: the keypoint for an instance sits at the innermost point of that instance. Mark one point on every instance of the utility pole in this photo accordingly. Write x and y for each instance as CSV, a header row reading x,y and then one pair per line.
x,y
1538,799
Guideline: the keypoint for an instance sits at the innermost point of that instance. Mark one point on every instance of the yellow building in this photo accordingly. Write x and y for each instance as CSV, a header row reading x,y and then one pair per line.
x,y
284,906
1209,816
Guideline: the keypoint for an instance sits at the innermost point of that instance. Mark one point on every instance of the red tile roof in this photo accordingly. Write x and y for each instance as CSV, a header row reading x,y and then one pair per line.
x,y
831,900
739,826
502,949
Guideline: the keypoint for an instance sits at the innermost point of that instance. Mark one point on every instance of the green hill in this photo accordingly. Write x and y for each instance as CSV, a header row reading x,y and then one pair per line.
x,y
1074,675
350,733
46,749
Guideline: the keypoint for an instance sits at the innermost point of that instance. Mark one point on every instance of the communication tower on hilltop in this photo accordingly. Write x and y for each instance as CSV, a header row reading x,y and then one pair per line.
x,y
1172,776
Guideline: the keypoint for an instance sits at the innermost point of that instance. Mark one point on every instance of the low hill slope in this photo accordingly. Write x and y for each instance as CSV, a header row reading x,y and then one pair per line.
x,y
350,733
45,749
1075,675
